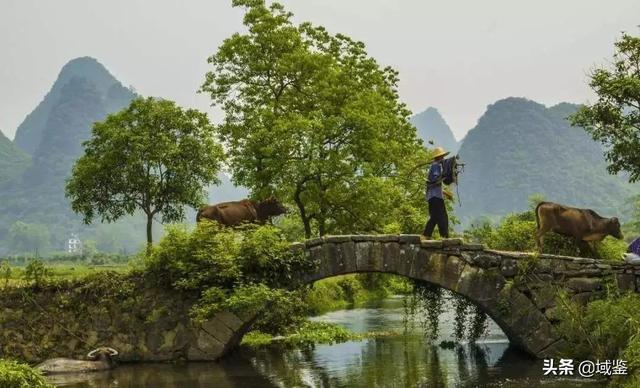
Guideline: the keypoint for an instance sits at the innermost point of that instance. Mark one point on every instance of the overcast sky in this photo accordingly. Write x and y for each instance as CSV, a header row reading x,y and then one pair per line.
x,y
458,56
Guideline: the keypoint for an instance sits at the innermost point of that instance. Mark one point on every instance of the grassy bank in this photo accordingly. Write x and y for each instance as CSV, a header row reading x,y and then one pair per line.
x,y
352,291
286,323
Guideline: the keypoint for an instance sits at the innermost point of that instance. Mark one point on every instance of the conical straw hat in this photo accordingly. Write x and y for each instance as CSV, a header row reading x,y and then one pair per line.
x,y
439,151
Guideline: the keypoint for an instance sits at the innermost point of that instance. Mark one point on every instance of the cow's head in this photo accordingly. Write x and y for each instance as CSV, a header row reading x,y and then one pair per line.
x,y
271,207
105,354
614,228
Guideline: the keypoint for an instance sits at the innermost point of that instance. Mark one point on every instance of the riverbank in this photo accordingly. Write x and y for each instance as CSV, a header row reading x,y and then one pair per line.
x,y
287,323
405,360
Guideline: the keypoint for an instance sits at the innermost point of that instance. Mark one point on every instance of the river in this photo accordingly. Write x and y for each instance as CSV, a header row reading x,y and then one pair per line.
x,y
407,360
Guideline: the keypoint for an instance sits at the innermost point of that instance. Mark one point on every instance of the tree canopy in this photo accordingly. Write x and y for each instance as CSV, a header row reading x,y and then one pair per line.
x,y
152,156
313,119
614,119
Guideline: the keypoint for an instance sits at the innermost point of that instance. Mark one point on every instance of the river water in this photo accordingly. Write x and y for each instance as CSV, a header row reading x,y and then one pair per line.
x,y
405,360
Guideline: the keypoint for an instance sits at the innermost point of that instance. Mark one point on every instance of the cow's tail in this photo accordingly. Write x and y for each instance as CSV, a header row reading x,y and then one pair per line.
x,y
538,214
199,214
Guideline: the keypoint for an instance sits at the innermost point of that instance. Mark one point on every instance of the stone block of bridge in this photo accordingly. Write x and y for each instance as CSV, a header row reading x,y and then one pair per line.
x,y
392,259
626,282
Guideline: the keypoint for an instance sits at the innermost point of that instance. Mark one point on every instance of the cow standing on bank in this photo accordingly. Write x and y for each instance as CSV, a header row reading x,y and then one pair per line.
x,y
584,225
245,211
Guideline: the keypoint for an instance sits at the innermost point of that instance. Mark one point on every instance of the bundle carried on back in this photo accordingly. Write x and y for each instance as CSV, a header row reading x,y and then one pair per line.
x,y
451,168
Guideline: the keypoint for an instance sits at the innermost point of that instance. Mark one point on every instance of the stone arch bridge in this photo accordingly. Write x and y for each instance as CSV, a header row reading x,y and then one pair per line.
x,y
516,289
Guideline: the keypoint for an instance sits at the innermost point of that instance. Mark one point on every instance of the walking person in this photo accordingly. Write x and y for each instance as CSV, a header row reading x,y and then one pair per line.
x,y
435,195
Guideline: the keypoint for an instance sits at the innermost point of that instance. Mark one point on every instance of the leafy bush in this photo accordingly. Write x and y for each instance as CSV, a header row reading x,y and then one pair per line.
x,y
326,295
198,260
611,249
37,273
243,299
603,329
354,290
214,256
286,312
5,273
17,375
240,270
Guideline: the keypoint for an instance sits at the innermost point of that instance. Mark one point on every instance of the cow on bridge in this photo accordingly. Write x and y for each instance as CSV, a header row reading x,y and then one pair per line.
x,y
584,225
245,211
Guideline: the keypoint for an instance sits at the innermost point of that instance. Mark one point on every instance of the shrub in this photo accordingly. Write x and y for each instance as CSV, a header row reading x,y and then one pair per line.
x,y
239,270
604,329
326,295
264,255
215,256
243,299
611,249
198,260
285,312
5,273
37,272
17,375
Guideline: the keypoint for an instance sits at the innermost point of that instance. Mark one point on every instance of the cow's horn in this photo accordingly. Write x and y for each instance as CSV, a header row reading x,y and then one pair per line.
x,y
92,354
112,352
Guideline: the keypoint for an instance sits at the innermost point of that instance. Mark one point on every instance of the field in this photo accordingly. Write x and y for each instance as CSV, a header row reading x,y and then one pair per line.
x,y
16,276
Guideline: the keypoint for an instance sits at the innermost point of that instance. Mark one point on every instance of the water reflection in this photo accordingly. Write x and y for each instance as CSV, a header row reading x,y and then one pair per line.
x,y
399,361
235,371
384,362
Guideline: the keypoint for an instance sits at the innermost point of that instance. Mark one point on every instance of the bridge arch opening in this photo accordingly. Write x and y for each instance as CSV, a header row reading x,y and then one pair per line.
x,y
452,291
490,280
484,278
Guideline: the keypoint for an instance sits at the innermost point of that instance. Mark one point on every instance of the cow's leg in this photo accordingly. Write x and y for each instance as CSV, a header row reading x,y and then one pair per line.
x,y
594,251
586,250
540,232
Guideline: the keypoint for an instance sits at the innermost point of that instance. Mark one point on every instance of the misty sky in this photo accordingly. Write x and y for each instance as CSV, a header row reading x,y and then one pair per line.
x,y
458,56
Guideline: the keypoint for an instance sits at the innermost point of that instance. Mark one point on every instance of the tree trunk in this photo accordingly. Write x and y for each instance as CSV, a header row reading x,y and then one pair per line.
x,y
303,216
306,221
321,226
149,232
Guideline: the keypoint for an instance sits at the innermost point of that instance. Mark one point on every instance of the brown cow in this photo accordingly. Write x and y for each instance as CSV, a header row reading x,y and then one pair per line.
x,y
238,212
584,225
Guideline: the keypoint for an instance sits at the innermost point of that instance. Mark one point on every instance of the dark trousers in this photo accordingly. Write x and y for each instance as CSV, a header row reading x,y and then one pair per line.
x,y
437,216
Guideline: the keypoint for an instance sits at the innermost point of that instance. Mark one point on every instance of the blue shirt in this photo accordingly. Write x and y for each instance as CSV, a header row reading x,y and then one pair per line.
x,y
434,181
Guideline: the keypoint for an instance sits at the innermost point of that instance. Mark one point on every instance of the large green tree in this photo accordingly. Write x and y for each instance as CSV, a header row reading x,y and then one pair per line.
x,y
312,118
152,156
614,119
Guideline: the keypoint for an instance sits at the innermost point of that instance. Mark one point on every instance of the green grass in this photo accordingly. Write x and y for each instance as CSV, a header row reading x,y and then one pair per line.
x,y
352,291
60,272
310,333
14,374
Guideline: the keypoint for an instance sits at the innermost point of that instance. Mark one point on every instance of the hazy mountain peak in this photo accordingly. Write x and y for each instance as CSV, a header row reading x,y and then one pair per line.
x,y
83,93
30,133
514,104
89,68
431,126
520,147
13,161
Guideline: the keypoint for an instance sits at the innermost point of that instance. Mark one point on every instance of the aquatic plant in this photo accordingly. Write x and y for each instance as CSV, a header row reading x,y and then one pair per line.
x,y
14,374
